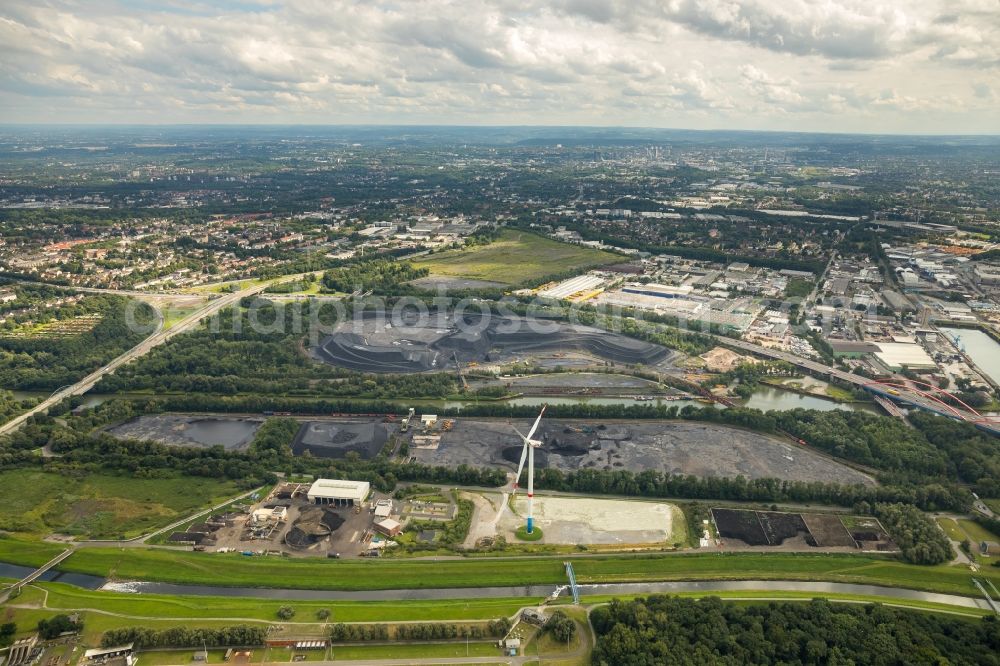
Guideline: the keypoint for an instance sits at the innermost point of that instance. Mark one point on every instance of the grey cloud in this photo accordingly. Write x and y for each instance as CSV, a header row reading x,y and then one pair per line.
x,y
718,62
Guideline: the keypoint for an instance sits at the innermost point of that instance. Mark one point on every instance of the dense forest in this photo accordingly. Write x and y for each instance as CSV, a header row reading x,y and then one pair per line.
x,y
920,541
45,361
379,275
670,630
11,406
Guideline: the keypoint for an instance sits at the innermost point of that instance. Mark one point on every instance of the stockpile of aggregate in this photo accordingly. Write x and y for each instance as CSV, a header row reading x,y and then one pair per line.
x,y
475,341
312,526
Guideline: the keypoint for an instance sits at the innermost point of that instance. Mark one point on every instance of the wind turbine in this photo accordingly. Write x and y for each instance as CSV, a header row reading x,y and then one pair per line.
x,y
529,452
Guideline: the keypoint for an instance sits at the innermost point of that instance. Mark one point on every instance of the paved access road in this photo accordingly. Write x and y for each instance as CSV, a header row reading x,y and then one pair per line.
x,y
157,338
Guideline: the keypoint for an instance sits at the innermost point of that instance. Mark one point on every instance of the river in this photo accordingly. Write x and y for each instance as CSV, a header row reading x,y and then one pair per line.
x,y
528,591
981,348
86,581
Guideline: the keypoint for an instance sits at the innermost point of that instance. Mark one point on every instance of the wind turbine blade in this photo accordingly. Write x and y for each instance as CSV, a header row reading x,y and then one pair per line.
x,y
520,465
519,433
537,421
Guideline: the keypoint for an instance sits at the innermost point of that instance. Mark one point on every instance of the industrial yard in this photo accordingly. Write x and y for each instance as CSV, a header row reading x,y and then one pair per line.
x,y
335,438
413,345
674,447
326,518
592,521
677,447
233,433
739,528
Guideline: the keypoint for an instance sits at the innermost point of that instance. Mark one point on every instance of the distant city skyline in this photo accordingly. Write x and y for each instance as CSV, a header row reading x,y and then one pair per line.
x,y
926,66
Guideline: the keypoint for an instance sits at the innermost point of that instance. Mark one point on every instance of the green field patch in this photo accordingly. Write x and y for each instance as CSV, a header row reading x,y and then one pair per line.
x,y
951,528
977,533
68,598
59,328
522,534
233,570
515,257
101,505
415,651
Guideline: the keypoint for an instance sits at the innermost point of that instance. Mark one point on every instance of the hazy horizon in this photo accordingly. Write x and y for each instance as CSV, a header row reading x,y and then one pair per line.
x,y
832,66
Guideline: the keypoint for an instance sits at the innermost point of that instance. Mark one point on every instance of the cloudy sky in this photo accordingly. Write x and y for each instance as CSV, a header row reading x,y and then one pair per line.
x,y
831,65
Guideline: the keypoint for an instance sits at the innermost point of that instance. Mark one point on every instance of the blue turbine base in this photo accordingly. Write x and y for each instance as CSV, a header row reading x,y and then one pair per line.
x,y
530,525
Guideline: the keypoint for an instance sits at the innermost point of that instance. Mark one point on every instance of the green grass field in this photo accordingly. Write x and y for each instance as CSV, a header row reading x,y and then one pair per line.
x,y
415,651
60,596
977,533
515,257
522,533
951,528
101,505
235,570
963,529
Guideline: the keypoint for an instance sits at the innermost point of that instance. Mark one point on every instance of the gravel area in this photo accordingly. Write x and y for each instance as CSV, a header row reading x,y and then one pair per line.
x,y
677,447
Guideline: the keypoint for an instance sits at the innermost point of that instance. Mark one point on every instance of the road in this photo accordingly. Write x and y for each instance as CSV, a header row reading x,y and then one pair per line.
x,y
157,338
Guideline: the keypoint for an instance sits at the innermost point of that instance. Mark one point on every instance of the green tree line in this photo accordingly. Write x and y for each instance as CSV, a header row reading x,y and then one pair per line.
x,y
671,630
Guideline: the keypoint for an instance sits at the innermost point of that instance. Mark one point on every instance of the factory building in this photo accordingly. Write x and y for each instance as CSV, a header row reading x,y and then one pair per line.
x,y
337,492
898,355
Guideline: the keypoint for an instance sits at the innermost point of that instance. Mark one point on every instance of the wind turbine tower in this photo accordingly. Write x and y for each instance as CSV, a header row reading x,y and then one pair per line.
x,y
528,452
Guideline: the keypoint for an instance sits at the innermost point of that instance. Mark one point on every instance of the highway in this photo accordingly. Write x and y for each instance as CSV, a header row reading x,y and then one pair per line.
x,y
157,338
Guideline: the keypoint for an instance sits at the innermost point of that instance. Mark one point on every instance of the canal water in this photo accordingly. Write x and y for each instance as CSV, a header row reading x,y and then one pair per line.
x,y
981,348
529,591
17,572
766,398
89,399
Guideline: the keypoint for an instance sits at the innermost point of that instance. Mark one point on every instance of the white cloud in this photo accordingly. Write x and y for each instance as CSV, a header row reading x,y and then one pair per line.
x,y
801,64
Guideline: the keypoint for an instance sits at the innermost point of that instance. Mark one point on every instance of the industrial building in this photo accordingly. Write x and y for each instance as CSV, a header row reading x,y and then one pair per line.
x,y
22,651
852,348
109,654
337,492
388,527
898,355
383,509
581,285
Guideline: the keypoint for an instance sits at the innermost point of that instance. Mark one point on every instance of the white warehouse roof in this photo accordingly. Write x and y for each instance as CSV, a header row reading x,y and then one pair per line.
x,y
903,355
339,489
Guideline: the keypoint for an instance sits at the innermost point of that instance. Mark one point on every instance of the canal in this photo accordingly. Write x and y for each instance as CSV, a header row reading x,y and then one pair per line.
x,y
981,348
528,591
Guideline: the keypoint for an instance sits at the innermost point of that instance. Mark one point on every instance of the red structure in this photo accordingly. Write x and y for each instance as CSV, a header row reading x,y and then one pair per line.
x,y
932,393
